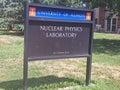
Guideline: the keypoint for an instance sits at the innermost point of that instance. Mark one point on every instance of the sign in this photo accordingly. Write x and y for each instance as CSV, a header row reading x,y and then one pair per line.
x,y
57,39
57,32
57,13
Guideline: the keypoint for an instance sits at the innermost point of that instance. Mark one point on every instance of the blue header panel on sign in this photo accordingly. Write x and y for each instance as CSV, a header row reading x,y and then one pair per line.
x,y
58,13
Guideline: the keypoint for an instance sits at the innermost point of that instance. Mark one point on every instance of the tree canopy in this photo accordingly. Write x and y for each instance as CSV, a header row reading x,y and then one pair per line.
x,y
12,12
109,5
69,3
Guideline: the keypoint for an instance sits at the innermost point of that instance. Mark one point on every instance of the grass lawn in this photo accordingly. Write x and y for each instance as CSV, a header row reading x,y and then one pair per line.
x,y
65,74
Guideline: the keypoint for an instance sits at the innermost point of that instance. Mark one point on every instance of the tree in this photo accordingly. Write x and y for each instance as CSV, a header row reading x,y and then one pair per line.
x,y
12,12
68,3
110,5
37,1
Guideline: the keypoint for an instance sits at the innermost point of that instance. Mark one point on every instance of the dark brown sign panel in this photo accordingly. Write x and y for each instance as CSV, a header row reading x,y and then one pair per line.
x,y
58,39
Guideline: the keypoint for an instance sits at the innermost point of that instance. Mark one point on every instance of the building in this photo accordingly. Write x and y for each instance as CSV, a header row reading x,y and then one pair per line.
x,y
106,21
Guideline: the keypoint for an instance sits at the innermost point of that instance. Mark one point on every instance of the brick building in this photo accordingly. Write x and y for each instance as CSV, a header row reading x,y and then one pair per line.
x,y
106,22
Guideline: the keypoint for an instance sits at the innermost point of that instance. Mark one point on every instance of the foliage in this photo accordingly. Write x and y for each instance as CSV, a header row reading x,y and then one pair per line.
x,y
12,12
69,3
109,5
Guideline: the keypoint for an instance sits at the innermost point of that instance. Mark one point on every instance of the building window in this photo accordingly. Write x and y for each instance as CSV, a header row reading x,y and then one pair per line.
x,y
96,21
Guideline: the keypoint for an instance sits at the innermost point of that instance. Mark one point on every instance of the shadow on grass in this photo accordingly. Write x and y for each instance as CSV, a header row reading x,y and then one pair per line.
x,y
18,33
106,46
36,82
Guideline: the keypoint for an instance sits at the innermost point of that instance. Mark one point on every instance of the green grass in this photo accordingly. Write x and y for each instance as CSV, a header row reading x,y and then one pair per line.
x,y
59,74
106,48
102,85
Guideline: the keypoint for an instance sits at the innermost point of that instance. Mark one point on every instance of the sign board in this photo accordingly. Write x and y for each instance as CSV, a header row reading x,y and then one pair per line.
x,y
53,32
57,39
